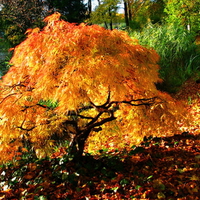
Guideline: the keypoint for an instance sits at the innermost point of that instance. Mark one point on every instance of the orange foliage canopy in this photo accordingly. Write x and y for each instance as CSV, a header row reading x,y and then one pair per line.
x,y
90,73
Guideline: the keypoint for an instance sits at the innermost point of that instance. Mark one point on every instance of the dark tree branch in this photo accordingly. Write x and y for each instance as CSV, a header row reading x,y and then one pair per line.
x,y
3,99
103,106
26,129
94,119
40,105
148,101
103,121
109,107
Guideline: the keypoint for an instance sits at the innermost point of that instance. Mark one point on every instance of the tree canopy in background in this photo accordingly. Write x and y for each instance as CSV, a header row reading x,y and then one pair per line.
x,y
16,16
106,13
19,15
137,13
184,12
72,10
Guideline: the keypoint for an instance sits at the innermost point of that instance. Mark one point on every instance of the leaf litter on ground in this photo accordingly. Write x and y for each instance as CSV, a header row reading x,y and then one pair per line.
x,y
159,168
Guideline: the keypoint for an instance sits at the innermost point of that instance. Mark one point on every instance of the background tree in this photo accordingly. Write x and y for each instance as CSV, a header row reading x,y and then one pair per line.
x,y
72,10
139,12
184,13
69,81
106,13
17,16
126,16
89,7
156,10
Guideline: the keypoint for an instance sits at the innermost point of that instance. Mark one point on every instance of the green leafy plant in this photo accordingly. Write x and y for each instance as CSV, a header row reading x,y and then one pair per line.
x,y
179,58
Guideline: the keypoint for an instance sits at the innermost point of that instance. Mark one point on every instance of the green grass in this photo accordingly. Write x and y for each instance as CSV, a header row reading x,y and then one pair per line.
x,y
179,58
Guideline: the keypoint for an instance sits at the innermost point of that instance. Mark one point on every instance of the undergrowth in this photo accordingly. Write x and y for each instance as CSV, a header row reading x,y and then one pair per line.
x,y
179,57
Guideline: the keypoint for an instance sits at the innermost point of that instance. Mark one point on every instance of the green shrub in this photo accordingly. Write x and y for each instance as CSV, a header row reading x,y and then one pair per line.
x,y
14,34
179,58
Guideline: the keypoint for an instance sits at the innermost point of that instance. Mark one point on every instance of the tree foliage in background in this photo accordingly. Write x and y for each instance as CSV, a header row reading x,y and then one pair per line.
x,y
156,10
69,81
183,12
138,12
72,10
18,15
135,12
106,13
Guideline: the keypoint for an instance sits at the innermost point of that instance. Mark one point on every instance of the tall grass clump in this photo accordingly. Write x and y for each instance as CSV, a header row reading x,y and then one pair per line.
x,y
179,58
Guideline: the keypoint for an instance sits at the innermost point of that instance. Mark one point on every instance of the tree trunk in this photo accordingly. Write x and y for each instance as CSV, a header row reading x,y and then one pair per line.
x,y
106,25
99,2
110,14
89,7
126,13
76,148
129,11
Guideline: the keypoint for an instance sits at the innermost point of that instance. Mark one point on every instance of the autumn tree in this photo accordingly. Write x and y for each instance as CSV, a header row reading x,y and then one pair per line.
x,y
68,81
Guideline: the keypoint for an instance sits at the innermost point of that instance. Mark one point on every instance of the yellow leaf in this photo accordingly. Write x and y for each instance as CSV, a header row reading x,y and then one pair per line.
x,y
194,178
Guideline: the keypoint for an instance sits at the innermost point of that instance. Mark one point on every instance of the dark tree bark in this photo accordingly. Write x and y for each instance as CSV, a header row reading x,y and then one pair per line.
x,y
89,7
126,13
111,24
129,11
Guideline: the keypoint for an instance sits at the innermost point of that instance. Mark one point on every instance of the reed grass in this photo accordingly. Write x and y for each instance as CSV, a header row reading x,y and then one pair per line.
x,y
179,58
